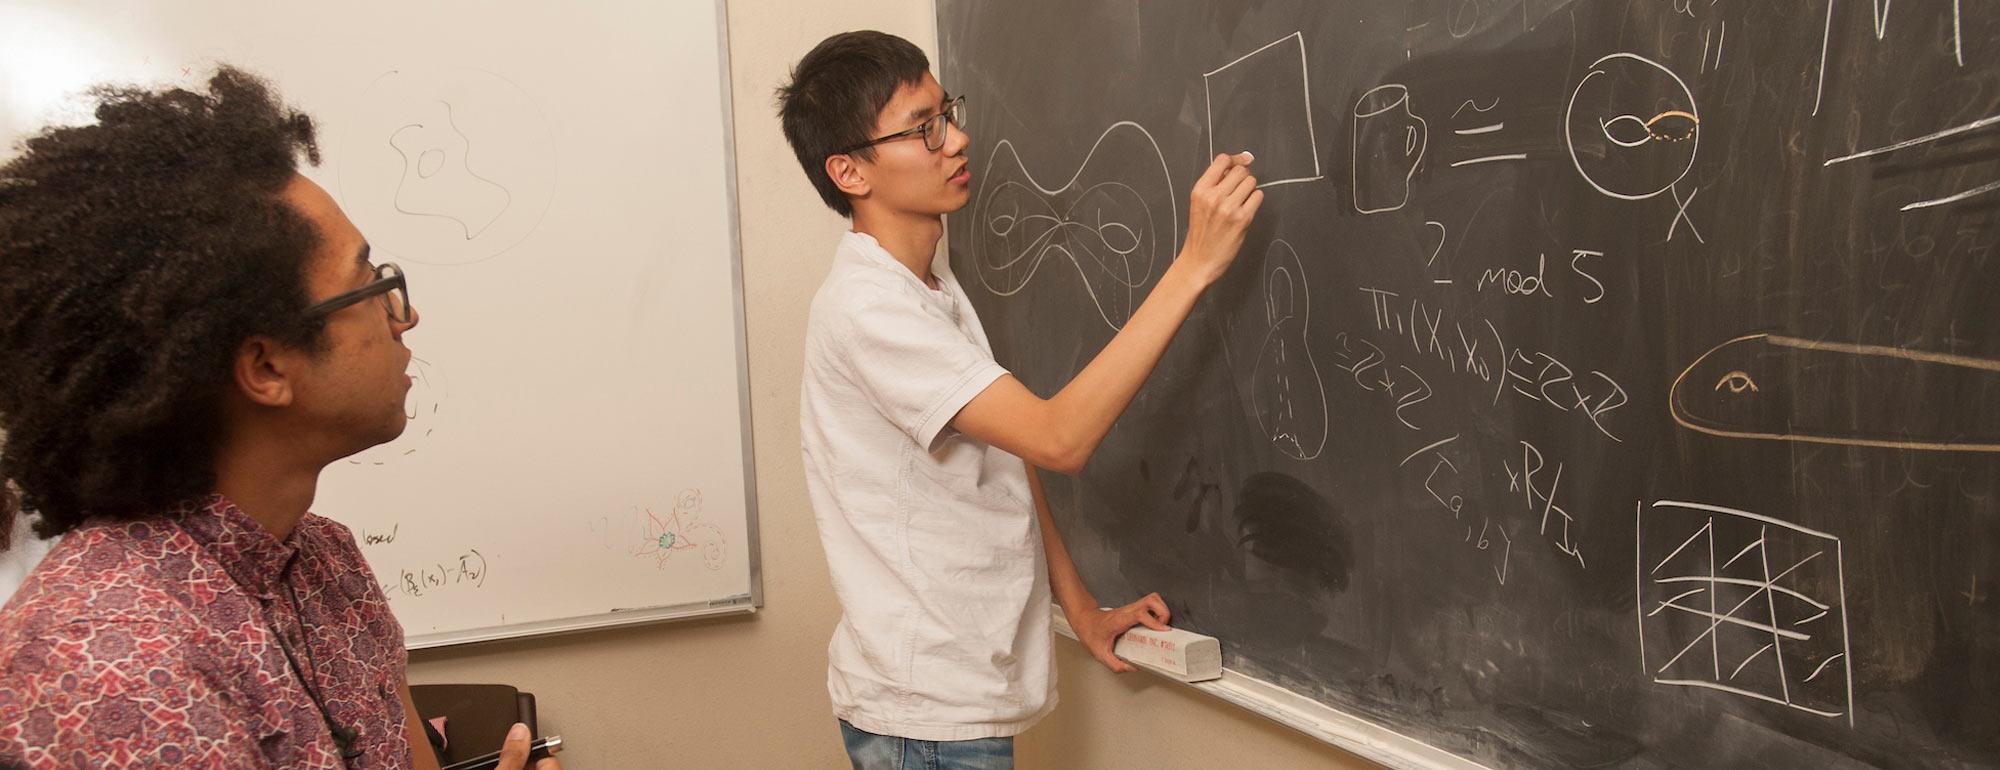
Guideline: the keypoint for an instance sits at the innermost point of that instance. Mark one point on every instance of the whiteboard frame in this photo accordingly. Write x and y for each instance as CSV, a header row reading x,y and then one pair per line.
x,y
740,604
1348,732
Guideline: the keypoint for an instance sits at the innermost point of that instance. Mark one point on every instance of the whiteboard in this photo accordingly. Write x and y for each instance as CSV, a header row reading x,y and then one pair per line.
x,y
558,182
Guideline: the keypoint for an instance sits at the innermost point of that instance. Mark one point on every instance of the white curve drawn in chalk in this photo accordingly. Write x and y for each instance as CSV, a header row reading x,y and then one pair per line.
x,y
1569,113
1490,159
1926,138
1291,411
1062,232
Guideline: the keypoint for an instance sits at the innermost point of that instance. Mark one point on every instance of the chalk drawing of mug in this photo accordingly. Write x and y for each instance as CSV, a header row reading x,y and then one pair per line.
x,y
1389,143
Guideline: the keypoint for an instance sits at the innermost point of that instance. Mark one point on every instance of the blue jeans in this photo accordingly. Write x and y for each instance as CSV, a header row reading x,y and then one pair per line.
x,y
869,751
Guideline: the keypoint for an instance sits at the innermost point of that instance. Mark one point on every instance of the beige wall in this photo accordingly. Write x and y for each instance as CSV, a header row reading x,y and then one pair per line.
x,y
750,692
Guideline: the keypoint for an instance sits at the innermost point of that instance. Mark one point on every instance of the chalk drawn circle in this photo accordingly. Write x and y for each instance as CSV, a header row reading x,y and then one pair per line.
x,y
424,406
1638,131
447,166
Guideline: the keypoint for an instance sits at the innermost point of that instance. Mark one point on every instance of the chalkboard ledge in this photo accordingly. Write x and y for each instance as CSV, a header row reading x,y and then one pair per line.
x,y
1351,733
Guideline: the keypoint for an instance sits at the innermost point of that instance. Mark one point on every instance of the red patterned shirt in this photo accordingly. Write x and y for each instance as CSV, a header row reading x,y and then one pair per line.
x,y
155,643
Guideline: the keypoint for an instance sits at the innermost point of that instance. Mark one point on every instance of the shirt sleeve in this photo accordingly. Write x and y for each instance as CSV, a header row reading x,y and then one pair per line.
x,y
117,695
916,366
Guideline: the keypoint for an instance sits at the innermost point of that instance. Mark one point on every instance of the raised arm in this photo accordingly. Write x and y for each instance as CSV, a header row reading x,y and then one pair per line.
x,y
1061,433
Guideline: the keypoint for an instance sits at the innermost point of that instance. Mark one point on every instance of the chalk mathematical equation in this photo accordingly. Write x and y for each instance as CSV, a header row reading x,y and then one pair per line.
x,y
1444,490
1519,372
1372,371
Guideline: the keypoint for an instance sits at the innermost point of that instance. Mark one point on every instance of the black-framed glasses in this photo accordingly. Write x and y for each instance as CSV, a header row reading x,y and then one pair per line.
x,y
389,284
932,128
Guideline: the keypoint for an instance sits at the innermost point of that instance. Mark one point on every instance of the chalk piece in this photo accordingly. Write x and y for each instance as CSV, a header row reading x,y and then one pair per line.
x,y
1183,655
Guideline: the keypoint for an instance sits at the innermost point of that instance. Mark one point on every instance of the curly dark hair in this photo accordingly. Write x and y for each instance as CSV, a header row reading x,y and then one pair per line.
x,y
137,253
836,92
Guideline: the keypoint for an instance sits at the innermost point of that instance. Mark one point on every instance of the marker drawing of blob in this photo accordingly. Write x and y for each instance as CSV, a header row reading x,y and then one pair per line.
x,y
1632,127
1285,385
423,406
1389,144
1765,386
438,180
1113,221
681,533
445,166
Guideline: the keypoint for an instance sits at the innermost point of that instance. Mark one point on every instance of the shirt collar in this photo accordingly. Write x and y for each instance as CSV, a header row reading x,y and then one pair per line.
x,y
870,251
255,558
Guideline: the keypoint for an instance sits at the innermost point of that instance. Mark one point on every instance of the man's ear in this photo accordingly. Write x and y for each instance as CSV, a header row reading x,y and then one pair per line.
x,y
847,175
262,371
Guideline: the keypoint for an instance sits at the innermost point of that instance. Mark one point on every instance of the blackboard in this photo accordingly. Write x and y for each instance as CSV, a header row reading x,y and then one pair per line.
x,y
1604,383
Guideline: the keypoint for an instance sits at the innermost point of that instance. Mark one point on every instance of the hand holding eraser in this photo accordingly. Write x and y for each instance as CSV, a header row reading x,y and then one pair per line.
x,y
1183,655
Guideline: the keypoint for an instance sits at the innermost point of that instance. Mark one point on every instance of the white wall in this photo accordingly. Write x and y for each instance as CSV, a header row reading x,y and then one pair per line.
x,y
750,692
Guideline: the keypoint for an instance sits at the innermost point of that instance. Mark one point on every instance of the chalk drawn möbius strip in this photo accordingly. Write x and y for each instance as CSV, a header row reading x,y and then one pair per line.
x,y
1262,102
1387,147
1639,131
1756,387
445,166
1285,384
1743,603
1116,232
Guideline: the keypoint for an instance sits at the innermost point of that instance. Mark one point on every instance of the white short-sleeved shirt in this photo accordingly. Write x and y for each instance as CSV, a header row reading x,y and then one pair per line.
x,y
930,535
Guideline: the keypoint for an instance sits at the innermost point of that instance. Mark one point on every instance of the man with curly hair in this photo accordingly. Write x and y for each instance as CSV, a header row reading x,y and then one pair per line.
x,y
190,331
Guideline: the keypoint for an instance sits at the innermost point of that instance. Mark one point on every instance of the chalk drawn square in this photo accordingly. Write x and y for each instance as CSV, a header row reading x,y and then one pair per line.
x,y
1262,102
1732,601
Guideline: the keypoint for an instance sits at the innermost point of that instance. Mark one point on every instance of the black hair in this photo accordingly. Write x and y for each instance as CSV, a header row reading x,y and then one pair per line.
x,y
137,253
836,92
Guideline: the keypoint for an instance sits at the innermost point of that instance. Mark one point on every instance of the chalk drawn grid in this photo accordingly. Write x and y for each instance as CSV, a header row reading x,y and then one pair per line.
x,y
1741,603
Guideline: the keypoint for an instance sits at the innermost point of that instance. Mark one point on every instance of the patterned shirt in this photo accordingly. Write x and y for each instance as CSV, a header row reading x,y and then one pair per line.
x,y
163,643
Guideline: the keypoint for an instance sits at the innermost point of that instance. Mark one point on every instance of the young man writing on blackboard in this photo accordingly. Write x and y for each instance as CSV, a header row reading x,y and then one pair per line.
x,y
190,331
938,537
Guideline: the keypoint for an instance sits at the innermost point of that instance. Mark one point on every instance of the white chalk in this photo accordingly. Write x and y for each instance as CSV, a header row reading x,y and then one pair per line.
x,y
1183,655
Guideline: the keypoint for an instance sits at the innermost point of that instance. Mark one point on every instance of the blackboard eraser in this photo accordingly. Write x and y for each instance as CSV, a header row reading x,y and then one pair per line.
x,y
1183,655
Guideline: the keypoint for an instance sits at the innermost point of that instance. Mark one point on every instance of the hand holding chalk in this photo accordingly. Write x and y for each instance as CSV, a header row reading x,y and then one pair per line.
x,y
1224,201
